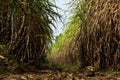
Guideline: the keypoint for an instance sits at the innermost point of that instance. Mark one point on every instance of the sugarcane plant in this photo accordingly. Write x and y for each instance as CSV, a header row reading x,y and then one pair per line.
x,y
25,28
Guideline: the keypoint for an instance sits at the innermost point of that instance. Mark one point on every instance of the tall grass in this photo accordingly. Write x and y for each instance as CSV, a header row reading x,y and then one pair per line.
x,y
25,28
58,51
98,40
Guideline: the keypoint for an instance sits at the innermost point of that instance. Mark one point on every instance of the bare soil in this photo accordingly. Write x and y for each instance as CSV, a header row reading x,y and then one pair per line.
x,y
60,75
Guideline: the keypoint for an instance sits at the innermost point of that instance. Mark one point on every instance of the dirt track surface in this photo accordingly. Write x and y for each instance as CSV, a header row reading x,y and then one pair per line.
x,y
60,75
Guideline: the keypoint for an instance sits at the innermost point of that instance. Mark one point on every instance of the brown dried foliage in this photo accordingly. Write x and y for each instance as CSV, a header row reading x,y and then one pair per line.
x,y
98,41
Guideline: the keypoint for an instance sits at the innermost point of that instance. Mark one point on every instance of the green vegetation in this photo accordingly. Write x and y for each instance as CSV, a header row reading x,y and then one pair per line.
x,y
65,42
25,30
65,37
61,67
